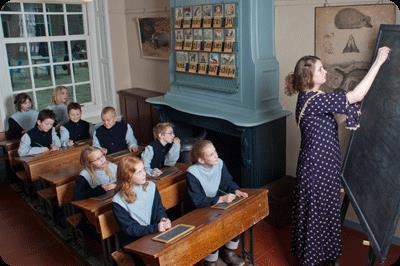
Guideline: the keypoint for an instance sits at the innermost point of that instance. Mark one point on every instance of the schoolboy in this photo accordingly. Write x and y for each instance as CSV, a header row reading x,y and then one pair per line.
x,y
75,129
42,137
163,151
114,136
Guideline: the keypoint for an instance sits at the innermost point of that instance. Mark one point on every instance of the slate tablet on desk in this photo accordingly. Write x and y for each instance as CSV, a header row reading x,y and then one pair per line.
x,y
119,153
168,171
107,195
174,233
225,205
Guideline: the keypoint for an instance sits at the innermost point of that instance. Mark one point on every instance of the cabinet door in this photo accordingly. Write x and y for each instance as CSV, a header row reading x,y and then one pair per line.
x,y
130,113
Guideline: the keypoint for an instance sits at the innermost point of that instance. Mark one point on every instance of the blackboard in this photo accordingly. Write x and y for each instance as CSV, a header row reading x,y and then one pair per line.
x,y
371,171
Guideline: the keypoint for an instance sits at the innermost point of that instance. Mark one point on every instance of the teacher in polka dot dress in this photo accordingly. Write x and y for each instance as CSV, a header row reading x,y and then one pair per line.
x,y
316,224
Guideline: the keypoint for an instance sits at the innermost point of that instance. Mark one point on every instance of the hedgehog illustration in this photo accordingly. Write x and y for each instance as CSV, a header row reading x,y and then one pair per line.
x,y
351,18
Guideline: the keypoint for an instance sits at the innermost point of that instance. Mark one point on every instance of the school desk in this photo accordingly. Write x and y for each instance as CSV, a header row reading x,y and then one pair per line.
x,y
56,178
213,228
117,156
168,187
37,164
11,147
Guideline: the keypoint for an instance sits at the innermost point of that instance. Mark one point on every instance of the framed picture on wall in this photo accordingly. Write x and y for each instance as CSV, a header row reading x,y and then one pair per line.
x,y
154,37
345,38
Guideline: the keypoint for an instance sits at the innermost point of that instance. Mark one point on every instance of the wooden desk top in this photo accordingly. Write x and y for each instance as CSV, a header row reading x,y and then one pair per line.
x,y
168,180
51,154
61,176
214,227
116,157
36,165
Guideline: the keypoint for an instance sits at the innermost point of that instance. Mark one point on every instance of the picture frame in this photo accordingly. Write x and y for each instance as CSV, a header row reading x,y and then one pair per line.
x,y
345,38
154,37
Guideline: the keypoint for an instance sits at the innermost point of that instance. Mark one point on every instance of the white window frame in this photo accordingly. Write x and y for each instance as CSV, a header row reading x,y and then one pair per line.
x,y
100,65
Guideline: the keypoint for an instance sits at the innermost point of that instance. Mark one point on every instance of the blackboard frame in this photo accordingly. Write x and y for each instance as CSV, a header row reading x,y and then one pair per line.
x,y
380,240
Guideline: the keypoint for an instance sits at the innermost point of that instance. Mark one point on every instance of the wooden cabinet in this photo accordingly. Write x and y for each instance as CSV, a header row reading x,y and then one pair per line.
x,y
138,113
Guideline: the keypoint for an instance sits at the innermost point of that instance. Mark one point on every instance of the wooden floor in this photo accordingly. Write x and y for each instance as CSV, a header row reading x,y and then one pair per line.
x,y
26,240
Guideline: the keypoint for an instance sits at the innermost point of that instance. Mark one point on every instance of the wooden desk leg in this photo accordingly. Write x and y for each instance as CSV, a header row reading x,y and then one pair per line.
x,y
248,255
105,247
251,255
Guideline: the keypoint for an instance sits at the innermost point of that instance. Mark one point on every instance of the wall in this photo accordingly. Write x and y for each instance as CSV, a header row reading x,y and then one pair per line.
x,y
145,73
119,44
294,37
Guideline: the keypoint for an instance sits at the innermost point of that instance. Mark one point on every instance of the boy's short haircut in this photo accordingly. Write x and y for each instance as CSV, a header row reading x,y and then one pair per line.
x,y
160,128
74,106
20,98
108,109
45,114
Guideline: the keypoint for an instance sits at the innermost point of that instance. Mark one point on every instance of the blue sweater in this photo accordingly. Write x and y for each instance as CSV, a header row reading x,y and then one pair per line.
x,y
196,197
130,228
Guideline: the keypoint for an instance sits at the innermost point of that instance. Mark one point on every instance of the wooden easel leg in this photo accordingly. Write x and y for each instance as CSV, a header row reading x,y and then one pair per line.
x,y
371,258
345,206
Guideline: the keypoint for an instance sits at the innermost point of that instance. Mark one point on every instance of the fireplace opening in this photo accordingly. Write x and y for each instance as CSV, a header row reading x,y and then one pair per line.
x,y
227,146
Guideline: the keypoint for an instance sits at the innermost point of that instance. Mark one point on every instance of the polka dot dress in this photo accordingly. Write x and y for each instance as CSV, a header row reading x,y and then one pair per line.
x,y
316,211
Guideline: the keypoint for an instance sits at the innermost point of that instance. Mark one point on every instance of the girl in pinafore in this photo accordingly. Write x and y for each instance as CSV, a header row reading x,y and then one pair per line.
x,y
316,223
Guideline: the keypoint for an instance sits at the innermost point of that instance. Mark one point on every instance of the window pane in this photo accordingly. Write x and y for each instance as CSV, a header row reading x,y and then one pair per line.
x,y
75,24
31,7
42,76
70,94
20,79
39,53
35,25
11,7
12,26
56,25
17,54
83,94
74,8
78,50
43,98
81,72
60,51
62,74
54,8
